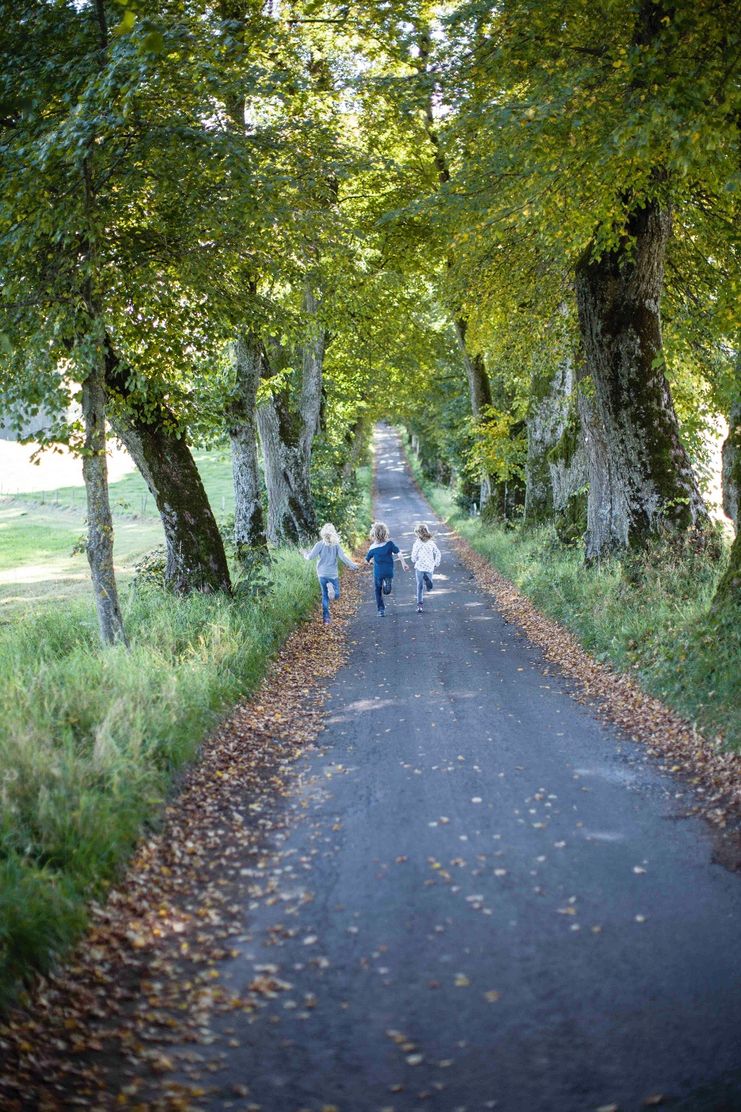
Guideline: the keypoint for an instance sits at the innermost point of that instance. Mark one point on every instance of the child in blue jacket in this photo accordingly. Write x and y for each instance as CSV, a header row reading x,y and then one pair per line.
x,y
382,553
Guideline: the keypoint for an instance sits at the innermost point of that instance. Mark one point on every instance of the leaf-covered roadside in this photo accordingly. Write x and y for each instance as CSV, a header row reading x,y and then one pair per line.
x,y
147,974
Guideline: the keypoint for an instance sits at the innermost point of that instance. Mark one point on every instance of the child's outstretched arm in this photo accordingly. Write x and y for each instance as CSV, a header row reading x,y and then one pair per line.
x,y
346,559
314,552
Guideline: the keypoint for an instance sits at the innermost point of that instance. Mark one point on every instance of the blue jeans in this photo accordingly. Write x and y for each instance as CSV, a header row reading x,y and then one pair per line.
x,y
323,581
378,584
420,577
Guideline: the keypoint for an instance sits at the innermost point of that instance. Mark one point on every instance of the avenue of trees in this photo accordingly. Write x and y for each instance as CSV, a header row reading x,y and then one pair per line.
x,y
270,222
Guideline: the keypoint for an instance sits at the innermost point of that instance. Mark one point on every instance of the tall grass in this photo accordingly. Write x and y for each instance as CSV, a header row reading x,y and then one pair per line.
x,y
90,739
651,618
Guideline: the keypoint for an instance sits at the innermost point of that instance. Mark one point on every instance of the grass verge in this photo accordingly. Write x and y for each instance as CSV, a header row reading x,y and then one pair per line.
x,y
655,625
91,740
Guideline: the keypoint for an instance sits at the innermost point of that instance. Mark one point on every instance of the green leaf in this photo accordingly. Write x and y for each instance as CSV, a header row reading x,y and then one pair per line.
x,y
154,42
127,23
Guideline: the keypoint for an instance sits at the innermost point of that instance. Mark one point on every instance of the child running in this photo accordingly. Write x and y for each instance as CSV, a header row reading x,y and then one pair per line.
x,y
382,553
425,557
326,552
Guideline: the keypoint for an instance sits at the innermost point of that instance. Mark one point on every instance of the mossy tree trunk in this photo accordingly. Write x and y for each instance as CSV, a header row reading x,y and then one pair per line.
x,y
99,519
555,472
641,481
479,392
196,560
250,535
356,439
288,422
729,589
247,352
92,352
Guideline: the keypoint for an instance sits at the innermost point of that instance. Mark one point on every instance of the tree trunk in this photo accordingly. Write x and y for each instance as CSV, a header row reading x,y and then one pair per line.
x,y
729,588
355,442
287,434
247,355
99,519
556,461
731,464
479,392
641,481
607,515
196,560
249,519
728,592
478,381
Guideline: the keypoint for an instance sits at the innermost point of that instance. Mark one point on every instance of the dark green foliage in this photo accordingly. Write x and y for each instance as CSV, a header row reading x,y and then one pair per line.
x,y
40,914
570,522
255,577
340,496
150,570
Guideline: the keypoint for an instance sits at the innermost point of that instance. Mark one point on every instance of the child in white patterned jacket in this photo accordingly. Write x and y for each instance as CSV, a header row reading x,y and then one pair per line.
x,y
425,557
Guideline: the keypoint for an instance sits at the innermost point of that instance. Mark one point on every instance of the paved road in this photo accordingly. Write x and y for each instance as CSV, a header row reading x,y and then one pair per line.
x,y
484,898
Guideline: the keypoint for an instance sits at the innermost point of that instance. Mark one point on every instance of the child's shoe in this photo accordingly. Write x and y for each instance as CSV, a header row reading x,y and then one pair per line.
x,y
419,608
326,621
386,585
427,580
330,591
381,613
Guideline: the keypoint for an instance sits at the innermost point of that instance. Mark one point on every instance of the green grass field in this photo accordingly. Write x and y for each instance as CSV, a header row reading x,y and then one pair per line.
x,y
38,532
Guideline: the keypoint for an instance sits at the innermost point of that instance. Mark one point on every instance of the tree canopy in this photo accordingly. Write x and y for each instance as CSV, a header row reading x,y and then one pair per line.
x,y
441,214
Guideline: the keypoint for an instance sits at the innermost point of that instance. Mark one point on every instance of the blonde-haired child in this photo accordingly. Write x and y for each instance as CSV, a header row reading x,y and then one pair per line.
x,y
382,552
425,557
326,552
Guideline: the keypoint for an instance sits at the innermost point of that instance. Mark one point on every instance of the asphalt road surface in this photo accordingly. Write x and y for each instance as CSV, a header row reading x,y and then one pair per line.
x,y
483,898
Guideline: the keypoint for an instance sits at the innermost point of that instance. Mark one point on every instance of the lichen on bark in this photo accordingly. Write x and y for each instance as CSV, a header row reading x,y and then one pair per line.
x,y
99,519
250,537
728,592
555,474
642,485
288,421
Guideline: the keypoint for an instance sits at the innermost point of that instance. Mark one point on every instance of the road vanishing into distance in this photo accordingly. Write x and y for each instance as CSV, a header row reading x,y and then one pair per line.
x,y
468,894
494,900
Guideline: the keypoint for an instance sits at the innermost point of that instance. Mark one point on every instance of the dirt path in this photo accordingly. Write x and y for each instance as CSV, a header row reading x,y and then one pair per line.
x,y
470,894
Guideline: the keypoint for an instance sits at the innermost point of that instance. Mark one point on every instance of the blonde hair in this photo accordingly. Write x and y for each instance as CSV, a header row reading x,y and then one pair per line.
x,y
422,532
329,534
379,532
